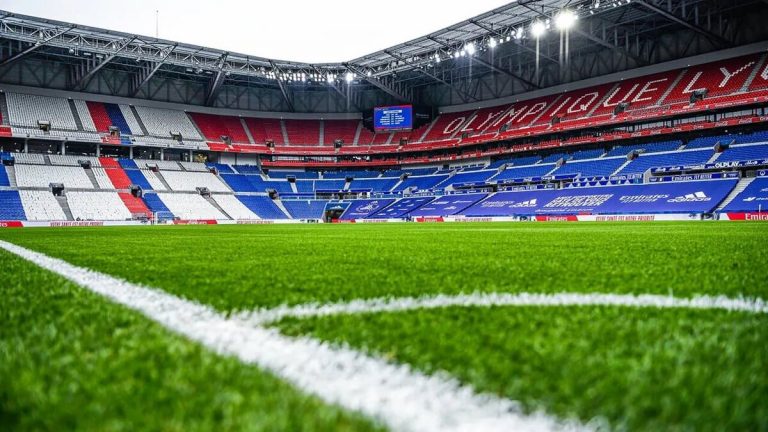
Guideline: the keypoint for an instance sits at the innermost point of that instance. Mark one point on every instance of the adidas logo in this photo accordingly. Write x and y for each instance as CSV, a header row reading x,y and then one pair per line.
x,y
694,197
529,203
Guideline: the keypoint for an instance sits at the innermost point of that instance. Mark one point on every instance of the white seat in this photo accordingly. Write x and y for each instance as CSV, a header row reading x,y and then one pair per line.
x,y
41,206
190,181
161,122
97,206
27,110
42,176
234,207
190,206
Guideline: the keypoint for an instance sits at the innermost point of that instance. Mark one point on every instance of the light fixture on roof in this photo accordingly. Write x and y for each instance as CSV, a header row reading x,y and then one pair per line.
x,y
470,48
538,28
565,19
519,33
492,43
350,77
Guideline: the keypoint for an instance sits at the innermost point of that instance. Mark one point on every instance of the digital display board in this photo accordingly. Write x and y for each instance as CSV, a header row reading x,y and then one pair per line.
x,y
393,118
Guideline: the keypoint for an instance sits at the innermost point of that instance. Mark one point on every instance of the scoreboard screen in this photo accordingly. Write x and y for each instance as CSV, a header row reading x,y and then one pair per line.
x,y
393,118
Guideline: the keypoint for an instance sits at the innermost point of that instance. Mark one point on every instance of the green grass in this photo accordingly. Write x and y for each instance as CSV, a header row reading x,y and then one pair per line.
x,y
640,369
646,370
70,360
239,267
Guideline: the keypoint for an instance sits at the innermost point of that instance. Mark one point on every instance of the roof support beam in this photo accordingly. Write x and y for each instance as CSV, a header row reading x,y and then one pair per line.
x,y
218,80
670,16
283,89
80,85
37,45
517,42
152,73
638,61
378,84
527,83
464,95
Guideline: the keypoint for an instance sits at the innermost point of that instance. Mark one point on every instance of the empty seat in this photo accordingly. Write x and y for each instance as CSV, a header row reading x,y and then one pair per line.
x,y
106,206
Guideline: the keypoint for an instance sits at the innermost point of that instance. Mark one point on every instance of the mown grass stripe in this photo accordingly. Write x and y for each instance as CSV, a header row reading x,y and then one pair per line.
x,y
396,395
379,305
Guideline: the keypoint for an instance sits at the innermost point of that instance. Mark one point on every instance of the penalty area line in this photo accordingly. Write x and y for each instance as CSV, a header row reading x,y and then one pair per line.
x,y
395,395
478,299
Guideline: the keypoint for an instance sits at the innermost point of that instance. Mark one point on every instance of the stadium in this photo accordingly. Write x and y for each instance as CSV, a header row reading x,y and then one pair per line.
x,y
546,217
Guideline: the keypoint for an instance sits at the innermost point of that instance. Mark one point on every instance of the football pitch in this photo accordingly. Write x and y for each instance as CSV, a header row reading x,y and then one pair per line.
x,y
612,326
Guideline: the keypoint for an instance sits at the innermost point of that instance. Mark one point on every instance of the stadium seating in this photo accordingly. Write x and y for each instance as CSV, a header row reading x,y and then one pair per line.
x,y
43,176
420,183
221,168
153,180
234,208
4,180
190,181
214,127
719,78
305,209
524,172
303,132
137,177
86,119
102,179
467,177
586,154
41,206
194,166
447,206
11,207
29,158
156,205
684,197
190,206
161,122
376,185
97,206
753,198
163,165
340,129
263,207
27,110
69,160
646,162
744,153
591,168
645,148
363,209
263,130
401,208
135,206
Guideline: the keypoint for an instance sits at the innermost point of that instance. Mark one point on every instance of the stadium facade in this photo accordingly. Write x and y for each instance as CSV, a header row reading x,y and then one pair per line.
x,y
627,110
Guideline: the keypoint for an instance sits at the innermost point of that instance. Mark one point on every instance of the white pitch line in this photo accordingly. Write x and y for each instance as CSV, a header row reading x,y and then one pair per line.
x,y
396,395
378,305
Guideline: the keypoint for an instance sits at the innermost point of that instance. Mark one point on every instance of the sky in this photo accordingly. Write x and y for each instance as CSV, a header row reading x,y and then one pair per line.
x,y
296,30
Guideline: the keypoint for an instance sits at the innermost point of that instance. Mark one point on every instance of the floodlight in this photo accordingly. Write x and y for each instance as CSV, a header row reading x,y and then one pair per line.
x,y
565,19
538,28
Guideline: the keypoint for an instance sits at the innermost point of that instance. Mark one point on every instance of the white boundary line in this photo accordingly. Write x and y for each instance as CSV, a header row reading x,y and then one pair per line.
x,y
396,395
377,305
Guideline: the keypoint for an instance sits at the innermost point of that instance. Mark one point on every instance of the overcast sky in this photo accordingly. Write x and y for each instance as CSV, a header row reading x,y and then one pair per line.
x,y
299,30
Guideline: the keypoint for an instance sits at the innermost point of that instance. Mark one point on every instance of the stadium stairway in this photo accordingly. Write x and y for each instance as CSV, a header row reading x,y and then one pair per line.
x,y
740,186
92,177
11,172
282,208
216,205
160,177
4,110
65,207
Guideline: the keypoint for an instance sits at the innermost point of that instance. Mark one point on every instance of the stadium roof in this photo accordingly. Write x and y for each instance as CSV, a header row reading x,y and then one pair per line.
x,y
492,55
